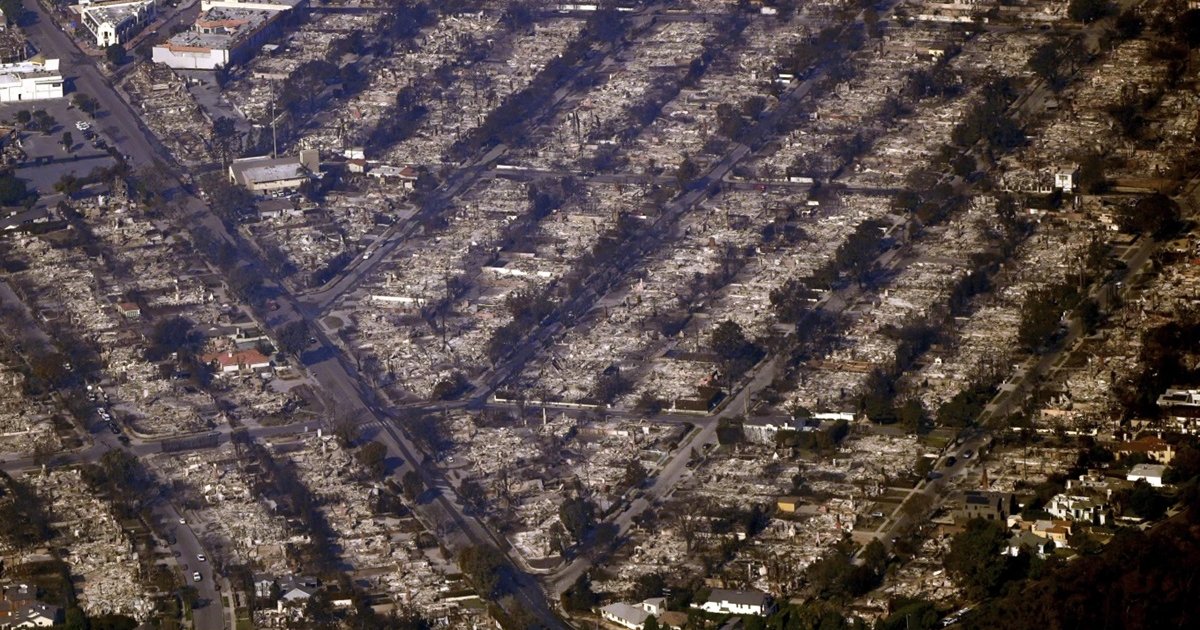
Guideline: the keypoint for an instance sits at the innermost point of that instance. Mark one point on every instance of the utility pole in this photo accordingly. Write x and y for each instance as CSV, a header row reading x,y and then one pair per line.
x,y
274,140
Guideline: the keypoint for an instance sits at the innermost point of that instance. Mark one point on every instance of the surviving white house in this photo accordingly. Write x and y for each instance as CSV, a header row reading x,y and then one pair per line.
x,y
293,589
633,616
736,602
1066,177
762,430
1080,508
1150,473
1027,542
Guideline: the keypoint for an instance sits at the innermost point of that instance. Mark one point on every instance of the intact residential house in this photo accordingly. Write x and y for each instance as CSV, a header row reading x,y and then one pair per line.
x,y
763,429
991,506
276,207
356,159
264,174
1151,446
243,335
19,608
633,616
294,589
1028,542
737,602
237,362
1181,409
1150,473
263,584
129,310
1094,482
1057,531
1079,508
1066,177
406,175
37,615
625,615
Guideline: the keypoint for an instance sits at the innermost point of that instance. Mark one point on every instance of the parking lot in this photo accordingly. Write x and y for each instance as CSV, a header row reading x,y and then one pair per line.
x,y
47,160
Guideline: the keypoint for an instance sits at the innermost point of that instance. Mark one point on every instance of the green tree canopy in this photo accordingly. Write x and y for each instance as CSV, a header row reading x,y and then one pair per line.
x,y
484,567
975,557
1087,11
115,54
1157,215
578,515
173,334
293,337
580,597
12,190
373,457
412,485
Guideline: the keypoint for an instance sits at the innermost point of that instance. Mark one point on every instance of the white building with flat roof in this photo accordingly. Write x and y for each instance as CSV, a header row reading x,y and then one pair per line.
x,y
31,80
226,32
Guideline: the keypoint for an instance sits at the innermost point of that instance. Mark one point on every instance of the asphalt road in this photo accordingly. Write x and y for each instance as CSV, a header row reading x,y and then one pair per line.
x,y
319,301
188,549
116,119
337,379
661,487
1033,373
669,476
183,542
118,122
1016,390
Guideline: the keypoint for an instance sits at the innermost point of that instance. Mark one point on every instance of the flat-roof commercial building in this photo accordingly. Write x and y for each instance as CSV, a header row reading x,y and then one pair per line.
x,y
265,174
225,33
31,80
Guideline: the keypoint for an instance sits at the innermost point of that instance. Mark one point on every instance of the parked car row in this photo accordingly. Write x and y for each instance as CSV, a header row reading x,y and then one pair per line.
x,y
108,420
